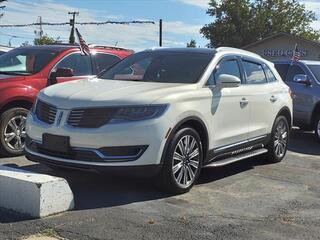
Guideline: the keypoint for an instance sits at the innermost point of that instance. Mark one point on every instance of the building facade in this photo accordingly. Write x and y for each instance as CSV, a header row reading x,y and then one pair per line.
x,y
281,46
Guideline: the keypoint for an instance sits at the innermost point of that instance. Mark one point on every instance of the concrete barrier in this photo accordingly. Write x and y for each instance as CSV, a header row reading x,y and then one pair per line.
x,y
34,194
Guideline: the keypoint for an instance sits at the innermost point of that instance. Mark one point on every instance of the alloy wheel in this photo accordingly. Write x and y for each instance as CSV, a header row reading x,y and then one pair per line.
x,y
281,139
15,133
318,128
186,158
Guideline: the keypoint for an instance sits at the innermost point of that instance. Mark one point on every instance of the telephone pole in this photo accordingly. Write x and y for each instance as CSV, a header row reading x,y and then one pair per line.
x,y
160,33
72,23
39,34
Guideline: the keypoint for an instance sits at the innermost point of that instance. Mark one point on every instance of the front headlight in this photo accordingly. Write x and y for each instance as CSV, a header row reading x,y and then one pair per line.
x,y
137,113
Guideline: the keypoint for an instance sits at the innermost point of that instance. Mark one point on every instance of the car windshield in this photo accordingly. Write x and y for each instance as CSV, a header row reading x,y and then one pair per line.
x,y
25,61
315,69
161,66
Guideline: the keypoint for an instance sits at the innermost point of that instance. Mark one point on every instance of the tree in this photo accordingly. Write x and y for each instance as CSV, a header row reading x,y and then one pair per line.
x,y
241,22
25,44
192,44
44,40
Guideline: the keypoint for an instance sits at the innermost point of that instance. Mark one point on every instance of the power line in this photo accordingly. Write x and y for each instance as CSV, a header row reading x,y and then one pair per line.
x,y
78,23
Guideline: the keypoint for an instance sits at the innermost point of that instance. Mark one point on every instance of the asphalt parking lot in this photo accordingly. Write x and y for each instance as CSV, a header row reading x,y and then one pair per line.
x,y
246,200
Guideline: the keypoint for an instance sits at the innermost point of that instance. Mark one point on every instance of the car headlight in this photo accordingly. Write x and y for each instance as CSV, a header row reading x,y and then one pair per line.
x,y
137,113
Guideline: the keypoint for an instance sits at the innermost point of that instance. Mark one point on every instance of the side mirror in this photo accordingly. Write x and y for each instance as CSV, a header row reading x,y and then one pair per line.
x,y
302,79
226,80
60,72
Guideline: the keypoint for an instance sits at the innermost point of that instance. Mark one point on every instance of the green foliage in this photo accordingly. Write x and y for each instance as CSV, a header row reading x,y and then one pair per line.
x,y
192,44
45,40
241,22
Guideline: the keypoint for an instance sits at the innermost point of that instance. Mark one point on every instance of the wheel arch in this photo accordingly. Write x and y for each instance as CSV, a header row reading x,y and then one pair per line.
x,y
197,124
25,103
285,111
315,112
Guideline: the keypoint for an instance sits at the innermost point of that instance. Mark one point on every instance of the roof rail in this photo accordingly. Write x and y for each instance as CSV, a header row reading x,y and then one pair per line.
x,y
108,47
237,50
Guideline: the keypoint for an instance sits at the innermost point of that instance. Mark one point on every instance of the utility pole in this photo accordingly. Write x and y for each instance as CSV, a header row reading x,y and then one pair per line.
x,y
39,34
160,33
72,23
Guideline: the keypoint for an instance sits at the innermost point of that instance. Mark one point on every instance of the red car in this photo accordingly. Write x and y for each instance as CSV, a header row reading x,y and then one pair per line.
x,y
25,71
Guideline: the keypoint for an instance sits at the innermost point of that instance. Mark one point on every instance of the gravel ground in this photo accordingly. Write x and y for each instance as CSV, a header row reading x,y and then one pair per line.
x,y
247,200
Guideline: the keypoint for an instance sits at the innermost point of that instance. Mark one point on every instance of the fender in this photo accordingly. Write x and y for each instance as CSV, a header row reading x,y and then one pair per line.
x,y
177,126
288,114
16,93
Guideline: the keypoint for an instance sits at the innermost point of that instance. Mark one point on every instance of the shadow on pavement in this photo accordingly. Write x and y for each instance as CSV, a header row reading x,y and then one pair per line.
x,y
303,142
93,191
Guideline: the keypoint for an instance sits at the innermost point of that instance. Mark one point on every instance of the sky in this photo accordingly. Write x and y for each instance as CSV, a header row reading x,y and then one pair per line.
x,y
182,21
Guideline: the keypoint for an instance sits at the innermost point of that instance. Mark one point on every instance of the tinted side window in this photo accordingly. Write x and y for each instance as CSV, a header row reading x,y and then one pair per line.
x,y
282,70
292,71
80,64
254,73
230,67
104,61
269,74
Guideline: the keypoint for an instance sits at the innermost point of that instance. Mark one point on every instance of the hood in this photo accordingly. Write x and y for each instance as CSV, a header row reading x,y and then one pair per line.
x,y
99,92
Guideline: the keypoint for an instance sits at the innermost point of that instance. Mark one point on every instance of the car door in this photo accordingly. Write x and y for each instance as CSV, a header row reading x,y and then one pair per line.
x,y
302,97
102,61
230,109
262,99
80,64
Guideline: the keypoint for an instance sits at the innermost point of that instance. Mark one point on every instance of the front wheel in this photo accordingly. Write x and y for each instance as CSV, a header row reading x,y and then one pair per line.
x,y
317,128
13,132
183,161
277,147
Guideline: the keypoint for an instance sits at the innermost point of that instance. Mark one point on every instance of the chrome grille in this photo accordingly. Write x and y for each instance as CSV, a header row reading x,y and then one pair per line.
x,y
90,117
45,112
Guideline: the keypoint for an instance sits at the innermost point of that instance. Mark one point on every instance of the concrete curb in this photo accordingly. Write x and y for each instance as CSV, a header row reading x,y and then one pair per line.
x,y
34,194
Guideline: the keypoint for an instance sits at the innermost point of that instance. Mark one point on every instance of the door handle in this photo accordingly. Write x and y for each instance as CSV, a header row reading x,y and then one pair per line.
x,y
273,99
244,102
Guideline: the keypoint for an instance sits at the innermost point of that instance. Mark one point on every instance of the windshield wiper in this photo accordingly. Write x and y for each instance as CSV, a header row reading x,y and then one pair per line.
x,y
14,73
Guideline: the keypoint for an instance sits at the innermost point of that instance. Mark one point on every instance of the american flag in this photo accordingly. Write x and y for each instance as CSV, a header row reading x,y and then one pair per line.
x,y
84,48
296,56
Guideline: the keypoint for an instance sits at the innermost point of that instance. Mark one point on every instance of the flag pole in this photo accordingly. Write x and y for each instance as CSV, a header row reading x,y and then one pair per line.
x,y
293,53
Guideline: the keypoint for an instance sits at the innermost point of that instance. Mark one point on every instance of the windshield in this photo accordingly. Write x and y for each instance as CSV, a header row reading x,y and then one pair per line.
x,y
315,69
25,61
165,67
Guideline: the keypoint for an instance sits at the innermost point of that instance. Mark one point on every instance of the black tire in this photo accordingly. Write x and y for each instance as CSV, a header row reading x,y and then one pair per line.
x,y
5,146
168,180
317,128
273,155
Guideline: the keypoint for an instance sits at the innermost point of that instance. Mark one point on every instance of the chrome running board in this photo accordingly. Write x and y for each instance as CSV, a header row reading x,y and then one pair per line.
x,y
237,158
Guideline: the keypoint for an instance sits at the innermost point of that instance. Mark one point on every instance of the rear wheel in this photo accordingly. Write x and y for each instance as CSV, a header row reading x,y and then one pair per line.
x,y
317,127
13,131
183,162
277,147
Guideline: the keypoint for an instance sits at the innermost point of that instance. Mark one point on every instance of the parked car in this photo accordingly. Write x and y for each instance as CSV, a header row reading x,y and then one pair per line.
x,y
165,113
303,77
4,49
25,71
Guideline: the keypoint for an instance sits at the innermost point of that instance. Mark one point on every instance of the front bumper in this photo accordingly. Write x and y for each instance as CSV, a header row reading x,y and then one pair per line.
x,y
140,171
147,137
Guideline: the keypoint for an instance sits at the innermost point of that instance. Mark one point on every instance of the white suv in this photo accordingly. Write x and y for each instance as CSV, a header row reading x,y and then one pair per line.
x,y
165,112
